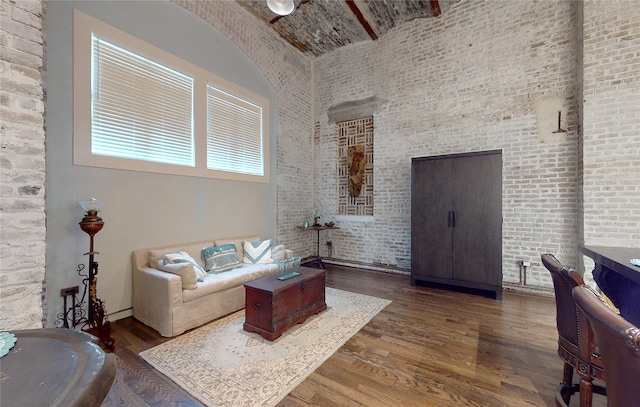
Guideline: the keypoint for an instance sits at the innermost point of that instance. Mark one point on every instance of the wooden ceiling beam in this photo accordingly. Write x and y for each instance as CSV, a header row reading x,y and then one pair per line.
x,y
361,19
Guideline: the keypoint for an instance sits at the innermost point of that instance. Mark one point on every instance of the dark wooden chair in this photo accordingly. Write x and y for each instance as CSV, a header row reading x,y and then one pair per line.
x,y
618,341
575,339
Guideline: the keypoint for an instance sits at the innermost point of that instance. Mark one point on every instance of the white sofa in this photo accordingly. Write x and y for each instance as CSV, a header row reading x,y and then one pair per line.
x,y
161,300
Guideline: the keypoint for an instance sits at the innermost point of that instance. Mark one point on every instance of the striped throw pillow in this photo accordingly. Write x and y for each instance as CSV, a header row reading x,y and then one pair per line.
x,y
219,259
184,257
257,252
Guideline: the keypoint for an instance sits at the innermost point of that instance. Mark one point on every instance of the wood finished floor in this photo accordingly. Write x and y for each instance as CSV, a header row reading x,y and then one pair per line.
x,y
429,347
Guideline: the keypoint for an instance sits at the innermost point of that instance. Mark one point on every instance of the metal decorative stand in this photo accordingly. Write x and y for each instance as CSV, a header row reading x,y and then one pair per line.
x,y
95,320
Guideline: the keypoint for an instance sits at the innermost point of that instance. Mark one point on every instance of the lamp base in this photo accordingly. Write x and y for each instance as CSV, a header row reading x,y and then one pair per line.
x,y
100,326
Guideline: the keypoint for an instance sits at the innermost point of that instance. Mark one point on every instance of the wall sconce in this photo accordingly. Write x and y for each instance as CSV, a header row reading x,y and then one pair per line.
x,y
281,7
560,129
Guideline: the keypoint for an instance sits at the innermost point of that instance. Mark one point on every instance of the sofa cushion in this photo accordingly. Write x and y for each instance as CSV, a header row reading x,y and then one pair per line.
x,y
219,259
257,252
186,271
278,253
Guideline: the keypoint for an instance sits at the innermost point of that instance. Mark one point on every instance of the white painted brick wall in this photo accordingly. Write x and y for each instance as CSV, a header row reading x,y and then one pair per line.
x,y
22,166
611,124
466,81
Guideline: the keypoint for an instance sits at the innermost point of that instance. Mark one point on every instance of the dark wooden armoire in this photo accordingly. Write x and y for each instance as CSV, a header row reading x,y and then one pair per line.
x,y
456,222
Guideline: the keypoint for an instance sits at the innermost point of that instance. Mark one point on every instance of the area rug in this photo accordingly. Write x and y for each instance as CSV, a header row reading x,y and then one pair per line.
x,y
222,365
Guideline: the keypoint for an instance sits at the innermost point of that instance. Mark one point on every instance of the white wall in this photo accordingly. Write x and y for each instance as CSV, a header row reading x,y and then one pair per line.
x,y
611,130
142,209
484,75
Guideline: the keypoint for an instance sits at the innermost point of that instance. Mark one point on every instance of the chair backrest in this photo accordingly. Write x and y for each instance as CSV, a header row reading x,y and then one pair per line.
x,y
618,343
570,321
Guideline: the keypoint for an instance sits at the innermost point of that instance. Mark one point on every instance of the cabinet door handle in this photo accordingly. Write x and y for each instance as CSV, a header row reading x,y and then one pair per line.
x,y
257,304
453,219
449,219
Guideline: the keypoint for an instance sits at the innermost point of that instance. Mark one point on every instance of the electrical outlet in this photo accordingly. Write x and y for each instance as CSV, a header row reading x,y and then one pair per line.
x,y
525,263
69,291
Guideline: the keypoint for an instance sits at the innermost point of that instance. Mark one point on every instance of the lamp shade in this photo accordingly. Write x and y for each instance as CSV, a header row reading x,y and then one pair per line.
x,y
281,7
92,205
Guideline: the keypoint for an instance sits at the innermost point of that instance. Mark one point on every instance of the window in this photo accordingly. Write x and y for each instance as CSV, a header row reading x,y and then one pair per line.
x,y
234,133
137,107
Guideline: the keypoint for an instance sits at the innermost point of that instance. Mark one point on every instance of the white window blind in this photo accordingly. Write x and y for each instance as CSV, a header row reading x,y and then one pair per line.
x,y
234,134
140,109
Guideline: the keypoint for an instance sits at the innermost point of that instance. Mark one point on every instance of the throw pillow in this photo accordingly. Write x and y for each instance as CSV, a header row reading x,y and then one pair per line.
x,y
184,257
278,253
186,271
219,259
257,252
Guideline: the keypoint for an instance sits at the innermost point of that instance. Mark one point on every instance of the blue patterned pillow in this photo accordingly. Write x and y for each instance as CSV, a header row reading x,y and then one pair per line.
x,y
257,252
220,258
183,257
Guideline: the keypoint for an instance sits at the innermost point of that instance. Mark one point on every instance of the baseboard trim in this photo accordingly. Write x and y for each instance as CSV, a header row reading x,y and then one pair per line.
x,y
368,266
513,287
121,314
519,288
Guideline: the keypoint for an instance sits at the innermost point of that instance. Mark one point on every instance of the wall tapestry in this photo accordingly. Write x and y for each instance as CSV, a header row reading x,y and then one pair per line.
x,y
355,167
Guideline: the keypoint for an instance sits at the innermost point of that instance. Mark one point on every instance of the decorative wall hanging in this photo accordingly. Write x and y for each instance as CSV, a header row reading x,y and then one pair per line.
x,y
355,167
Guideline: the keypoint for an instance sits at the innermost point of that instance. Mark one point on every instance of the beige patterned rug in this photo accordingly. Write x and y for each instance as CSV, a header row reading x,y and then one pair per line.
x,y
222,365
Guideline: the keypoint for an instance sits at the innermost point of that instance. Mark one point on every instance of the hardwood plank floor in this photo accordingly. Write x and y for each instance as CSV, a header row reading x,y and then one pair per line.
x,y
429,347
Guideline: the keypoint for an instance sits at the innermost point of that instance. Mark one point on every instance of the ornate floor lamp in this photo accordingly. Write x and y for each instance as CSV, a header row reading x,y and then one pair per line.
x,y
97,317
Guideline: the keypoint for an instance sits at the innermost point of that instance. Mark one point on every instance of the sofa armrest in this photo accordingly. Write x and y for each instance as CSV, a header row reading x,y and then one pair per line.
x,y
155,295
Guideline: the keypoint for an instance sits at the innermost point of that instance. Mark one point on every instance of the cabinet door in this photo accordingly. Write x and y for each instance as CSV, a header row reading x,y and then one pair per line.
x,y
477,202
431,237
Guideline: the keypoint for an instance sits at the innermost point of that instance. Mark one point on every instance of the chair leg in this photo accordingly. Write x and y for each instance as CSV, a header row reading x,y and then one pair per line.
x,y
567,383
567,376
586,391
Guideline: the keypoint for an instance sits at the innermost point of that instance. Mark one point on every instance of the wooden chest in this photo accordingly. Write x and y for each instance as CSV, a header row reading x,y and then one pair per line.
x,y
273,306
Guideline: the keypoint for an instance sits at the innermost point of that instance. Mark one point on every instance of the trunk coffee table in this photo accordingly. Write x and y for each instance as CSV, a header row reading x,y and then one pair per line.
x,y
273,306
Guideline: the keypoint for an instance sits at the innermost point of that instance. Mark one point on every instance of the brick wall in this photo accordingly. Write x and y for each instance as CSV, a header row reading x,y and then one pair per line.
x,y
22,206
611,132
469,80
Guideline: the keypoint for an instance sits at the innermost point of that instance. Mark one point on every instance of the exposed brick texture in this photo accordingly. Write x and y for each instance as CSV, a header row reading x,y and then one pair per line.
x,y
22,166
467,81
611,132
